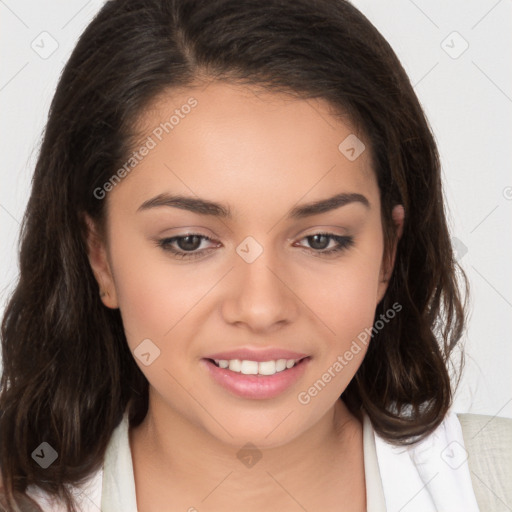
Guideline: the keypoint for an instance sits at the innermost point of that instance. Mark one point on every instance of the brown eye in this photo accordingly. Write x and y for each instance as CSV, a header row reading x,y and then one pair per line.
x,y
189,242
186,246
320,241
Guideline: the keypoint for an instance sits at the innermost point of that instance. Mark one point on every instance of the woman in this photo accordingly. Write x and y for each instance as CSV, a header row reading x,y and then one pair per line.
x,y
237,289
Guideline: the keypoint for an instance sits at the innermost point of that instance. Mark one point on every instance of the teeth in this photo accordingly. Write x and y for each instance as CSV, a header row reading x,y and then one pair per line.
x,y
267,368
235,365
249,367
280,365
256,368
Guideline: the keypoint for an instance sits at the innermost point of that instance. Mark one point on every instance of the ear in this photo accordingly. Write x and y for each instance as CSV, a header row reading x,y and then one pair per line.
x,y
97,254
386,269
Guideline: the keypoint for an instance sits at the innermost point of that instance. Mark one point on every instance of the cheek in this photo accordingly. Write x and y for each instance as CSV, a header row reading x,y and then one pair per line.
x,y
345,296
346,309
346,303
153,294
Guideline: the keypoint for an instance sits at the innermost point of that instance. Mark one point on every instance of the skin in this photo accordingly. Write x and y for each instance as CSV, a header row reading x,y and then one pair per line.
x,y
262,154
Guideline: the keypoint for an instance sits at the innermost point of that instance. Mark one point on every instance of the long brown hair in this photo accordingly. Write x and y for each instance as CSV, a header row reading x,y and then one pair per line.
x,y
68,373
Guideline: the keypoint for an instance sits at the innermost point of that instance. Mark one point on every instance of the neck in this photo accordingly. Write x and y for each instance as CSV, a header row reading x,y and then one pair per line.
x,y
186,456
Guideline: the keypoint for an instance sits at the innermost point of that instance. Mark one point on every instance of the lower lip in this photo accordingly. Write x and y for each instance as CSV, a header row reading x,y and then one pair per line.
x,y
256,386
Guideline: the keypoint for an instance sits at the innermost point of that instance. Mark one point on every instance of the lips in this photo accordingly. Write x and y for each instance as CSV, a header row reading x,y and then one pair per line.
x,y
256,387
249,354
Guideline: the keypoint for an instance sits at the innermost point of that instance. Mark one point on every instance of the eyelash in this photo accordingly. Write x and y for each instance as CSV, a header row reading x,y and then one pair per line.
x,y
344,243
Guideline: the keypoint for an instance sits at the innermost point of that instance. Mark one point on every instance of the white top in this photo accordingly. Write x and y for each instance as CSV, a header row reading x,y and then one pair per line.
x,y
430,476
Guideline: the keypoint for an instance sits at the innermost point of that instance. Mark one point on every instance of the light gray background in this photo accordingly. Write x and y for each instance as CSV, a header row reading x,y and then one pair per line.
x,y
467,96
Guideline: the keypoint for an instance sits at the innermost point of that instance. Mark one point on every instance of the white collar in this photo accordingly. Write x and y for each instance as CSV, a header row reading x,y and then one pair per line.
x,y
432,475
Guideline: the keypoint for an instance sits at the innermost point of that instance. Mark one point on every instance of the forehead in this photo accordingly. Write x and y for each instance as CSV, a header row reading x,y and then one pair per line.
x,y
231,141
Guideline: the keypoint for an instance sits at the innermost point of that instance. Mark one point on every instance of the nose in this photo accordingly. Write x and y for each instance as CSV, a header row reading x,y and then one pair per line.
x,y
260,295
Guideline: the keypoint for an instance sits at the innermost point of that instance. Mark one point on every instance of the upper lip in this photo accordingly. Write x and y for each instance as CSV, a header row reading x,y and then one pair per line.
x,y
259,355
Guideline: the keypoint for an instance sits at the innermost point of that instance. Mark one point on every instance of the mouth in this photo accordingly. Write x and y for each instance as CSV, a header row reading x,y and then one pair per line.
x,y
260,368
256,379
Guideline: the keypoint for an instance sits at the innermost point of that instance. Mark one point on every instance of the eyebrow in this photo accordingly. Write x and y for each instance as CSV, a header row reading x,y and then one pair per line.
x,y
206,207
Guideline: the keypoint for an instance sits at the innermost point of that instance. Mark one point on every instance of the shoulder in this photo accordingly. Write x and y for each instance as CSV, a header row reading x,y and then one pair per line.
x,y
482,428
489,437
488,443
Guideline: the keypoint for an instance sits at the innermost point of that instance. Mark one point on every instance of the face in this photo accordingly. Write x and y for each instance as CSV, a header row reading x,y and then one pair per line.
x,y
251,259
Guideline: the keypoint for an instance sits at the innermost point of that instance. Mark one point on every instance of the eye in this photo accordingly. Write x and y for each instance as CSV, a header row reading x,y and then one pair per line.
x,y
319,243
188,245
